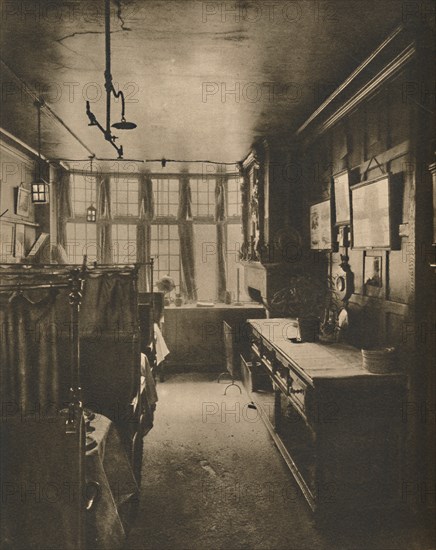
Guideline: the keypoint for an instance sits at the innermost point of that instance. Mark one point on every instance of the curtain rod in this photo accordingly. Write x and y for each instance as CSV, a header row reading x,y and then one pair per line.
x,y
30,286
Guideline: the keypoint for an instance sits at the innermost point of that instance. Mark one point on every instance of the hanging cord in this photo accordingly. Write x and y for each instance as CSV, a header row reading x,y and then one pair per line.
x,y
38,104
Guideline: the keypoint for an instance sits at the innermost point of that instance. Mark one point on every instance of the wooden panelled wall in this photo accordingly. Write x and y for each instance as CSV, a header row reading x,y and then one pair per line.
x,y
372,140
388,132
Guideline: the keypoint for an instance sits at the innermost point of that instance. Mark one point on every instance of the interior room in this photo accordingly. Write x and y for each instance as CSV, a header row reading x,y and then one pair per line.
x,y
217,274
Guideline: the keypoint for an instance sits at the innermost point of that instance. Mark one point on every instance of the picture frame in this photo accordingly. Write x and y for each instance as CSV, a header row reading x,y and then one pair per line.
x,y
372,217
373,274
22,207
321,226
341,192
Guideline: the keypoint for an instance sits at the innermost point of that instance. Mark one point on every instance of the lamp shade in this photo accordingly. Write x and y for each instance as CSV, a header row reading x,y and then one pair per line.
x,y
91,214
39,192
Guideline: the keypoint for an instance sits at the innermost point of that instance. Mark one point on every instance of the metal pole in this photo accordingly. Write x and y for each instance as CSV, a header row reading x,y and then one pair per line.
x,y
107,74
75,298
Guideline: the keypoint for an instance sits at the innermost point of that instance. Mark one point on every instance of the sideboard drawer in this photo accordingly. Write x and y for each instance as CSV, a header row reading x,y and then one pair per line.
x,y
297,391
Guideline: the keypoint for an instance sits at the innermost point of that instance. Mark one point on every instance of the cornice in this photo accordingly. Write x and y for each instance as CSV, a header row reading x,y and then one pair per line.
x,y
392,64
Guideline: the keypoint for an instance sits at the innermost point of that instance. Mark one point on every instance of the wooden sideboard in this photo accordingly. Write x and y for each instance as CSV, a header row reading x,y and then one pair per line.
x,y
338,427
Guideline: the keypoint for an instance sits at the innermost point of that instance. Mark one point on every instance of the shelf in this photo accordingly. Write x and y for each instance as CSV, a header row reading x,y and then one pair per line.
x,y
19,221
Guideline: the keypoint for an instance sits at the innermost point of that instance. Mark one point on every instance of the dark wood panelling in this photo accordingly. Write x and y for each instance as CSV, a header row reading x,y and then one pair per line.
x,y
399,281
377,131
373,140
399,113
357,133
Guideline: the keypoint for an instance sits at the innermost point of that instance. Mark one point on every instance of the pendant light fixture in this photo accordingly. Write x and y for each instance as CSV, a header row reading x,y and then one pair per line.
x,y
91,211
39,188
123,124
91,214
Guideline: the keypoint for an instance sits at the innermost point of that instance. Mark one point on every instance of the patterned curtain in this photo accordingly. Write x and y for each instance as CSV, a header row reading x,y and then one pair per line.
x,y
220,217
186,235
104,229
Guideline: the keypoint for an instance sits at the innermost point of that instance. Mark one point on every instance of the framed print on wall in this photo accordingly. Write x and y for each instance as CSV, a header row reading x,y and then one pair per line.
x,y
23,202
373,271
372,214
342,198
321,226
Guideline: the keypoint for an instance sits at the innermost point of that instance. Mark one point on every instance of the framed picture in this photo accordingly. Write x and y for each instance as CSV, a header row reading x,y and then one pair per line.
x,y
23,202
373,271
321,226
372,222
342,198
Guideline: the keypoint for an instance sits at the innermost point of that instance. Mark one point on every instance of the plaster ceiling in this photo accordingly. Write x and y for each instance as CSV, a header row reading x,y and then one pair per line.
x,y
178,62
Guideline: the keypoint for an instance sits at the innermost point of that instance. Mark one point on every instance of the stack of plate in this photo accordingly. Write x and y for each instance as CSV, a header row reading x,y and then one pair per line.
x,y
379,361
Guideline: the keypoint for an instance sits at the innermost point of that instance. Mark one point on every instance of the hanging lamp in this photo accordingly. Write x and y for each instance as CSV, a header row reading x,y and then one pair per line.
x,y
39,191
91,211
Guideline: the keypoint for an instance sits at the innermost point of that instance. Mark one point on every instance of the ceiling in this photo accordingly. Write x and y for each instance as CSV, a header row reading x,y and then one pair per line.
x,y
177,63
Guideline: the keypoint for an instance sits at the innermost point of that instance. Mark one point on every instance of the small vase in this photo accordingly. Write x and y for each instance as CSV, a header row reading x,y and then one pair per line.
x,y
179,300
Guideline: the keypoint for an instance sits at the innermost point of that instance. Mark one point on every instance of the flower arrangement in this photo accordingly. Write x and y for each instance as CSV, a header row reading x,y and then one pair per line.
x,y
166,285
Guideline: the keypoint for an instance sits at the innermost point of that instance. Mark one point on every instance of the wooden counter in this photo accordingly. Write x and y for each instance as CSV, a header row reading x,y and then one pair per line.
x,y
338,426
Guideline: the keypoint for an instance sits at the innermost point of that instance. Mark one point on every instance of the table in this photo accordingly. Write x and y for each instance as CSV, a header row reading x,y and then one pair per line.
x,y
338,427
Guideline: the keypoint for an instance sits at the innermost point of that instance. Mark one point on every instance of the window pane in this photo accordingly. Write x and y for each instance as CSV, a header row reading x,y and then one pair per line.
x,y
234,204
124,196
124,243
166,196
83,193
163,262
174,248
203,197
81,241
174,263
165,248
